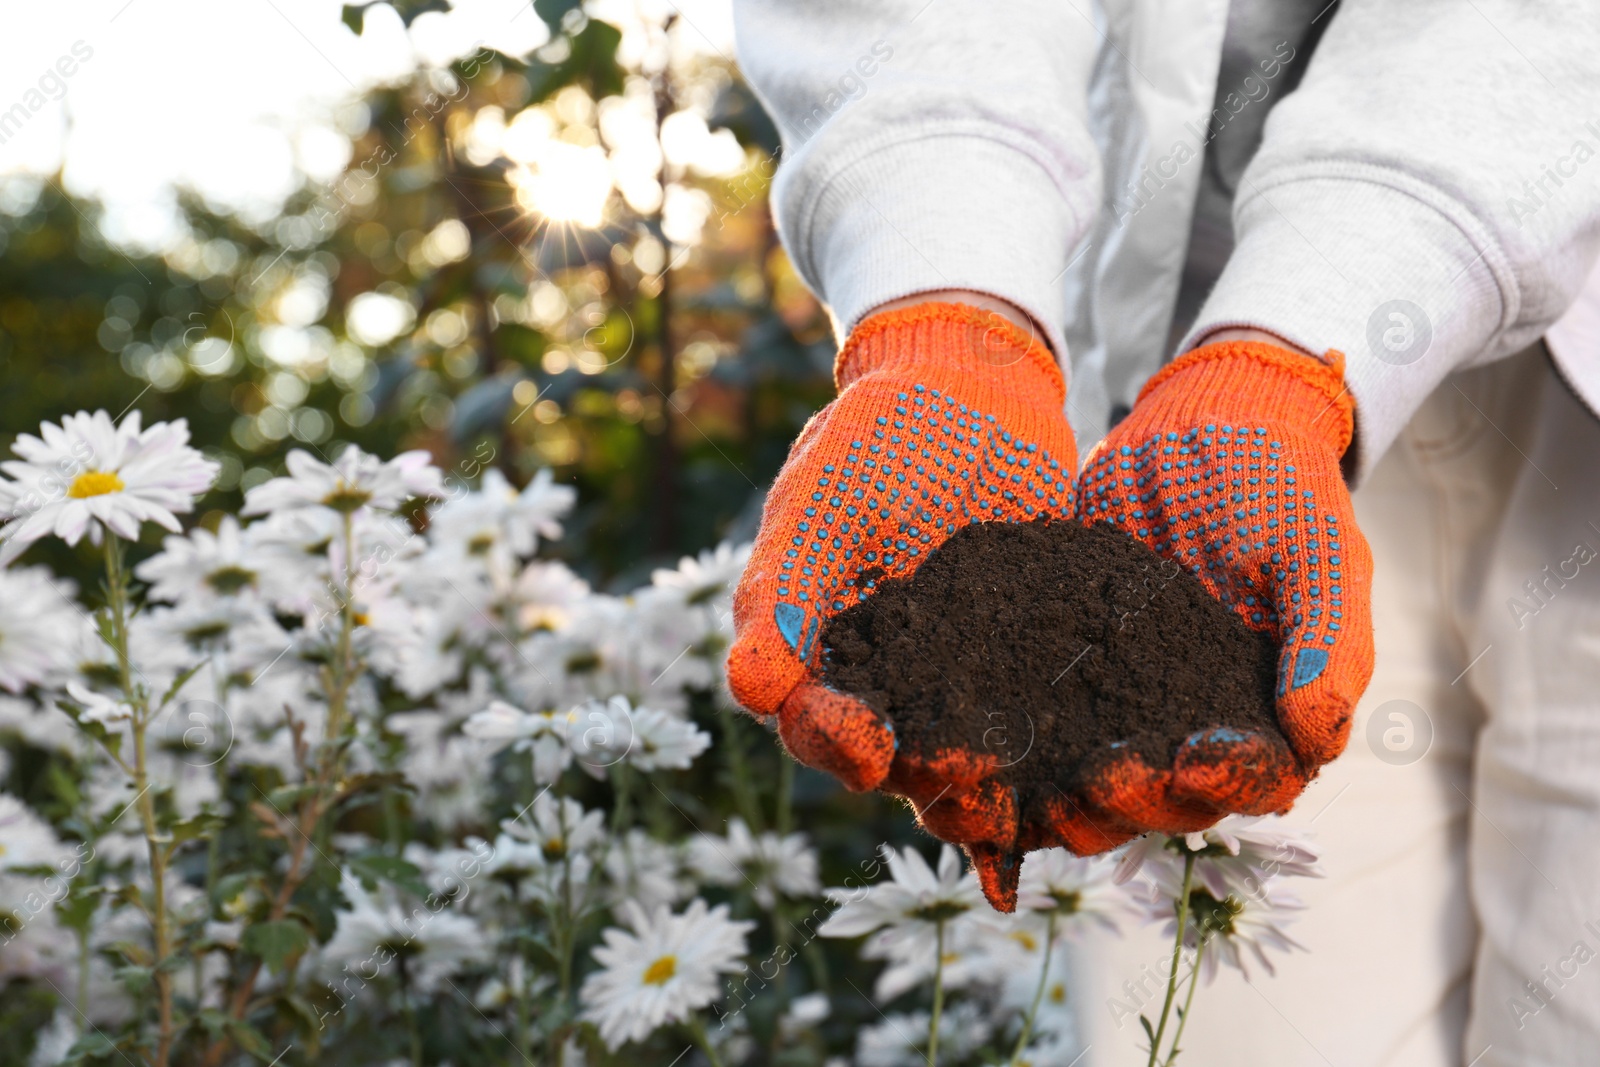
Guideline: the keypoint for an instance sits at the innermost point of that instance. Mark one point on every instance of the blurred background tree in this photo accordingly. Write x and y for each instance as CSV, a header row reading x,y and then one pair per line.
x,y
562,260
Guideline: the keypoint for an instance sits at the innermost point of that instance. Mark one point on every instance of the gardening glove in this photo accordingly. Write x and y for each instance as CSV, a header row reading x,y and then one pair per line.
x,y
946,416
1230,465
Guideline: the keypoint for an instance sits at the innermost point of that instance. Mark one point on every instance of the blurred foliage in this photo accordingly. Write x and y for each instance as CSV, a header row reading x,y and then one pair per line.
x,y
664,380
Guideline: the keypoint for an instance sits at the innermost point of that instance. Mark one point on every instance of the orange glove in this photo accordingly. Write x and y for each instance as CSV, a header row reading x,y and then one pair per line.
x,y
946,416
1230,465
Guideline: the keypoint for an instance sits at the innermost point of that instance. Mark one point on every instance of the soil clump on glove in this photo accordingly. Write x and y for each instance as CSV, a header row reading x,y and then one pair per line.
x,y
1047,644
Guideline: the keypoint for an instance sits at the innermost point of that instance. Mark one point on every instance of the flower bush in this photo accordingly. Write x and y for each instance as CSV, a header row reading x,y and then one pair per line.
x,y
357,777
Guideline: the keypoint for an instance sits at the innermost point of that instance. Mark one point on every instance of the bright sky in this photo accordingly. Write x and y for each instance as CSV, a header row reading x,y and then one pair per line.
x,y
239,100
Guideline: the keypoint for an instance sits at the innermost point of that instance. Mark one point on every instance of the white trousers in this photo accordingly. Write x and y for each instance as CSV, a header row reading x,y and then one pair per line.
x,y
1459,922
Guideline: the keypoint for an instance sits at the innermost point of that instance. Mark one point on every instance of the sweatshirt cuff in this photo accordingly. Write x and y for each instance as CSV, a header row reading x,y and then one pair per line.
x,y
1367,261
940,211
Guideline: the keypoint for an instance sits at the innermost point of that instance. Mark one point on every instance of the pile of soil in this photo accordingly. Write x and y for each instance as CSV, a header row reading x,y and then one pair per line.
x,y
1046,643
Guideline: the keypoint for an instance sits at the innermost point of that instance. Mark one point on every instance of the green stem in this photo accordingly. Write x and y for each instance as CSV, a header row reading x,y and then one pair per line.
x,y
1177,954
622,806
785,817
409,1012
340,672
1038,993
697,1031
391,821
85,960
1188,1001
517,970
938,996
743,787
565,934
347,624
155,842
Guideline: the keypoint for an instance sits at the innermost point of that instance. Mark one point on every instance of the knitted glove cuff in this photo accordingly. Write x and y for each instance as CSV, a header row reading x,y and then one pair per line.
x,y
1261,383
949,338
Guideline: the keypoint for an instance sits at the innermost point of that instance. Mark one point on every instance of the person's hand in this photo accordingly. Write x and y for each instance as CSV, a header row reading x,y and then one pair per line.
x,y
1229,464
947,415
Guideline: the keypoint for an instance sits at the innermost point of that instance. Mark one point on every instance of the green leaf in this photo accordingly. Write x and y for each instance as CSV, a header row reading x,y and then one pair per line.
x,y
77,910
373,782
106,627
309,1019
276,942
133,952
96,730
377,867
286,798
592,63
179,682
196,827
214,1021
354,16
134,979
1149,1030
92,1045
249,1040
230,886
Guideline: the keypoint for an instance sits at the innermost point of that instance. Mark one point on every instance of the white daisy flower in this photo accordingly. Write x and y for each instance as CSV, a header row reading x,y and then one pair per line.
x,y
375,929
975,954
1239,854
559,827
499,520
663,741
546,594
1232,925
52,1044
803,1014
543,734
213,626
649,738
641,868
88,473
1075,889
593,651
907,910
202,564
98,707
661,969
511,859
26,840
706,578
39,625
898,1040
355,480
774,865
502,992
685,618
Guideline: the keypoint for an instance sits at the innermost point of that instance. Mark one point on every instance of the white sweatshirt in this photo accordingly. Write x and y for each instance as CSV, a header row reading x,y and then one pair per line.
x,y
1427,197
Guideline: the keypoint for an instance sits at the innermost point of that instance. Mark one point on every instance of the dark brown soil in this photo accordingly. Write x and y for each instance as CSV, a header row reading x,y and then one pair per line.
x,y
1048,643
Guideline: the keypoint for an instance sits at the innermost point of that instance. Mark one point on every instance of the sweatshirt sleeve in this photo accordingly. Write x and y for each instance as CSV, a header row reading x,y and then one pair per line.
x,y
927,145
1428,198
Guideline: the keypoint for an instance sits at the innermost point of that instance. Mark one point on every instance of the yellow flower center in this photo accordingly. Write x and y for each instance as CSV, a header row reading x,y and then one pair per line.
x,y
94,483
659,972
1058,994
1025,939
346,497
360,618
